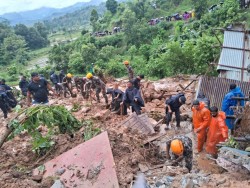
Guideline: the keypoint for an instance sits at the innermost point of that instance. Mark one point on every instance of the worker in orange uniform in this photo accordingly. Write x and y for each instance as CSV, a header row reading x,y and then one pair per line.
x,y
201,120
180,147
218,131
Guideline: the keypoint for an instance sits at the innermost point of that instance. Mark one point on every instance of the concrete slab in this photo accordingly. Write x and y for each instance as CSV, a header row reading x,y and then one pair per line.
x,y
89,164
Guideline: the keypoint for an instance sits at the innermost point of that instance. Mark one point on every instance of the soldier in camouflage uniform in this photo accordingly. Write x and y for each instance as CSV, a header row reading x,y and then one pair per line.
x,y
80,82
96,83
186,153
130,70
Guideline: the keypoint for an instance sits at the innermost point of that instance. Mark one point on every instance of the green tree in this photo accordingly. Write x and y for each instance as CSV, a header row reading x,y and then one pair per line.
x,y
112,6
200,7
89,54
5,30
93,19
15,46
76,64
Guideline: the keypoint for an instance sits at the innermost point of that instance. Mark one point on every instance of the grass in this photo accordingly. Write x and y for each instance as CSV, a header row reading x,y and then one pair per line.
x,y
64,36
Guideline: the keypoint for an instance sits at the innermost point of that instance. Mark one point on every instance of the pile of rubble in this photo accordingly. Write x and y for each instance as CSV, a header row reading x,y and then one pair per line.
x,y
127,145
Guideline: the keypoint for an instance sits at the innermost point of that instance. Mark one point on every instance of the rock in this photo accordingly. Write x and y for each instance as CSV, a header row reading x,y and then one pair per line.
x,y
37,178
86,109
190,184
102,114
221,182
158,184
6,176
58,184
16,174
60,171
143,167
247,149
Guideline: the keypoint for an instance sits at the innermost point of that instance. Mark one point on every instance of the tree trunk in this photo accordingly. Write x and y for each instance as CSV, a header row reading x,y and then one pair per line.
x,y
5,135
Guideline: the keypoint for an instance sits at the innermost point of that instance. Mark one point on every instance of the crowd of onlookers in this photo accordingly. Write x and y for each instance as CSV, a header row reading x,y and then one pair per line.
x,y
185,16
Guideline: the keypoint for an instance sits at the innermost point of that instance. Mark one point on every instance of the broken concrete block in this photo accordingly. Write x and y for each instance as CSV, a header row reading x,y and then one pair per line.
x,y
143,168
87,165
102,114
58,184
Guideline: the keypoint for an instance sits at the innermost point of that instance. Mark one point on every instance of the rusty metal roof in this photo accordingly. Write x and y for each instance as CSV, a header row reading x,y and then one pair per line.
x,y
216,88
235,54
89,164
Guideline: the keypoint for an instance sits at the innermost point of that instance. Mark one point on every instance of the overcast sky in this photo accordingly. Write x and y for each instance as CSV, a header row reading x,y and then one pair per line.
x,y
22,5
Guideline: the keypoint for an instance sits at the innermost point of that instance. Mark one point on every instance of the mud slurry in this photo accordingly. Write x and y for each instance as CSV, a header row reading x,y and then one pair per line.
x,y
17,160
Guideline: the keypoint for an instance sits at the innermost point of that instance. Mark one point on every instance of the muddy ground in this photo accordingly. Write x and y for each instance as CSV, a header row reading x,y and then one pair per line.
x,y
17,160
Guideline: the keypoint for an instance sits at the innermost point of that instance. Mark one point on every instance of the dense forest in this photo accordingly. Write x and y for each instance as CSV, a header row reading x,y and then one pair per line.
x,y
16,42
165,49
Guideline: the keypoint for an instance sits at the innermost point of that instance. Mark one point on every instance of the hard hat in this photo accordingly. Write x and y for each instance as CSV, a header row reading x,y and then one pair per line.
x,y
69,75
126,63
89,75
177,147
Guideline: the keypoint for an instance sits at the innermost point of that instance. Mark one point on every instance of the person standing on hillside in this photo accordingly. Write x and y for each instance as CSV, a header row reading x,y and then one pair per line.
x,y
23,85
137,81
38,89
228,102
132,97
201,120
173,104
61,76
218,131
96,83
130,70
67,84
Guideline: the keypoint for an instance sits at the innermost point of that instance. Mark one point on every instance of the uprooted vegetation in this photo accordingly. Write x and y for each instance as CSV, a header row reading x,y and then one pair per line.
x,y
133,150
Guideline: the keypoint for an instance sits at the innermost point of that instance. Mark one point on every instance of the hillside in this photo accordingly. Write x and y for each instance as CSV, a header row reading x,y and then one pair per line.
x,y
159,50
78,19
33,16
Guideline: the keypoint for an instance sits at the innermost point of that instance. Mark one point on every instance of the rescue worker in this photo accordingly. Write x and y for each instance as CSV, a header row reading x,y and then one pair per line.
x,y
202,98
218,131
137,81
80,82
96,83
6,87
23,85
54,78
11,100
4,101
173,105
61,76
130,70
229,102
117,96
38,88
201,120
67,84
181,148
132,97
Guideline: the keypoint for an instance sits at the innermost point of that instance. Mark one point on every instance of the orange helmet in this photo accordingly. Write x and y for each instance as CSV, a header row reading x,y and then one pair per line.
x,y
177,147
126,62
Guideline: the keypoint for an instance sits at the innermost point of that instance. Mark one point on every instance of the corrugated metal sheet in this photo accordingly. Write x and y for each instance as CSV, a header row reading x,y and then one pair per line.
x,y
230,57
235,74
233,60
233,39
216,88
